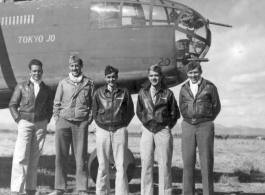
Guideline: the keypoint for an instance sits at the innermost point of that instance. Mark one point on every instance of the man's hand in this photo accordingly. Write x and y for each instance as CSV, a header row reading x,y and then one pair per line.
x,y
56,117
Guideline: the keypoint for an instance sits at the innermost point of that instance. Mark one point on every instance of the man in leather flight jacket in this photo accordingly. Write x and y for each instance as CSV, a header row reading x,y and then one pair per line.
x,y
31,108
200,105
112,111
157,109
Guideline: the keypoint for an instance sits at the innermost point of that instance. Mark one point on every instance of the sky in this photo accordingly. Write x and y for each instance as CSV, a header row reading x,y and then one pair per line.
x,y
237,57
236,63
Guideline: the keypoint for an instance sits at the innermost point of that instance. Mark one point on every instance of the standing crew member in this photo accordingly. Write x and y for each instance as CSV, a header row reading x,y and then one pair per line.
x,y
113,111
72,113
31,108
157,109
200,105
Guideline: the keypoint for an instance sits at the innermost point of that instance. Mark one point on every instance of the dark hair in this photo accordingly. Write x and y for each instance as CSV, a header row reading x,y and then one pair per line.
x,y
80,61
110,69
35,62
193,65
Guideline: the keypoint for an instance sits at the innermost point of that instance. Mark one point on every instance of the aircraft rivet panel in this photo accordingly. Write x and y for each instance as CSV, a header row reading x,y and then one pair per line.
x,y
17,20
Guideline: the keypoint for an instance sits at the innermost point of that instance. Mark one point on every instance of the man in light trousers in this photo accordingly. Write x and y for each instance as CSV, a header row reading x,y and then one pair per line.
x,y
73,113
199,103
112,111
31,108
157,109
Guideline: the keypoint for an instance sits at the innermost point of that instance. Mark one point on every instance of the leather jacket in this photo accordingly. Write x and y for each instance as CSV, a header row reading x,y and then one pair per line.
x,y
204,107
164,112
112,111
30,108
74,103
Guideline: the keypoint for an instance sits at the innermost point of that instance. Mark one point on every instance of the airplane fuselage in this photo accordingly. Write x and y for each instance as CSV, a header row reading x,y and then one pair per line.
x,y
52,30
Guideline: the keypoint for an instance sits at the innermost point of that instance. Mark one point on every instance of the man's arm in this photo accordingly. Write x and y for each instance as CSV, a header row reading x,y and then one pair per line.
x,y
215,102
49,104
15,102
95,106
57,101
139,107
90,114
129,108
174,110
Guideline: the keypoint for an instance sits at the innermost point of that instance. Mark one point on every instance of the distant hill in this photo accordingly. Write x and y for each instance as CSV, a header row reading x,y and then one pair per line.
x,y
219,129
136,128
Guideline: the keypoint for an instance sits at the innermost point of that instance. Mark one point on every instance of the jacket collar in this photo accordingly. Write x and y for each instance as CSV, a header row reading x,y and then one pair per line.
x,y
146,85
41,84
119,88
202,85
81,85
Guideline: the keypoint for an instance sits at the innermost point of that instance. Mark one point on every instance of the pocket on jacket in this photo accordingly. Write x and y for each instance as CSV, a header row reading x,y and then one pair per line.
x,y
184,109
162,116
146,117
205,109
100,117
24,102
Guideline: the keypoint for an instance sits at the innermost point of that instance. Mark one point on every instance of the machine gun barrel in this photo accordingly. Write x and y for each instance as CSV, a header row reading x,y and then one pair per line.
x,y
220,24
198,60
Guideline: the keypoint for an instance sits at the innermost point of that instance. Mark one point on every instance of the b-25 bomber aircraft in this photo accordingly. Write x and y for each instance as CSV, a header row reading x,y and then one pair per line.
x,y
128,34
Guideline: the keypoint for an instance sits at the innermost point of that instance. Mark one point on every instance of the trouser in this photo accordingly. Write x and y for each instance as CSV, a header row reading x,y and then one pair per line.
x,y
162,143
68,132
201,136
116,142
26,156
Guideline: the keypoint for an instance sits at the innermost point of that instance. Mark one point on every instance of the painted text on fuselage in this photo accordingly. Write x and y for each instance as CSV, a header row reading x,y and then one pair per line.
x,y
36,39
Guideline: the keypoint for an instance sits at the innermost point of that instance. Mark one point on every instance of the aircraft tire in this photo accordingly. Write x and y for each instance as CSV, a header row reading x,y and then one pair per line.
x,y
93,166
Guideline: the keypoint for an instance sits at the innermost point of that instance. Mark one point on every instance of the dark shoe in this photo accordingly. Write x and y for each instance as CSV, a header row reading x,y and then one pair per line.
x,y
57,192
14,193
32,192
82,193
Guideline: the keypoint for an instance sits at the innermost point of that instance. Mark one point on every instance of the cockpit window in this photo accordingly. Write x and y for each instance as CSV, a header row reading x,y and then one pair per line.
x,y
160,16
104,14
134,14
164,15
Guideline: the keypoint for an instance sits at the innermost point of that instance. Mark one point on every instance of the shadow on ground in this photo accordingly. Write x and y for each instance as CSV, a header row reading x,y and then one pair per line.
x,y
47,168
45,171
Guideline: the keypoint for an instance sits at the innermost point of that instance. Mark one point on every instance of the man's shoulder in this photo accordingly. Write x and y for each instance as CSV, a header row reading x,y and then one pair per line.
x,y
185,84
102,88
122,87
169,91
207,82
46,86
23,83
90,81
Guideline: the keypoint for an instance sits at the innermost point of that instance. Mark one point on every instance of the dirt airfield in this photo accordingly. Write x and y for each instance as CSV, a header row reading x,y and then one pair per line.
x,y
239,167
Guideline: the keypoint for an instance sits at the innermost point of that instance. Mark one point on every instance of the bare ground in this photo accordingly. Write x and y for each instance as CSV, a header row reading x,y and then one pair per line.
x,y
239,167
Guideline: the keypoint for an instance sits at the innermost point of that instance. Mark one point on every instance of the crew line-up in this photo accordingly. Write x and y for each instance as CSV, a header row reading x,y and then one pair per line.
x,y
77,104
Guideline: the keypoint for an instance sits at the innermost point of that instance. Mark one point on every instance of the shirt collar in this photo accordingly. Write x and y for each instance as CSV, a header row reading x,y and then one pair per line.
x,y
198,83
115,90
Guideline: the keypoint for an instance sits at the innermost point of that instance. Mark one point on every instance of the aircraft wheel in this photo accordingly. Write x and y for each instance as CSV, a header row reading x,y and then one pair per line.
x,y
93,166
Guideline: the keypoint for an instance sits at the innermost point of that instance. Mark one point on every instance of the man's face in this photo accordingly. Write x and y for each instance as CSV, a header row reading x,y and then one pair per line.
x,y
75,69
111,79
154,78
194,75
36,72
